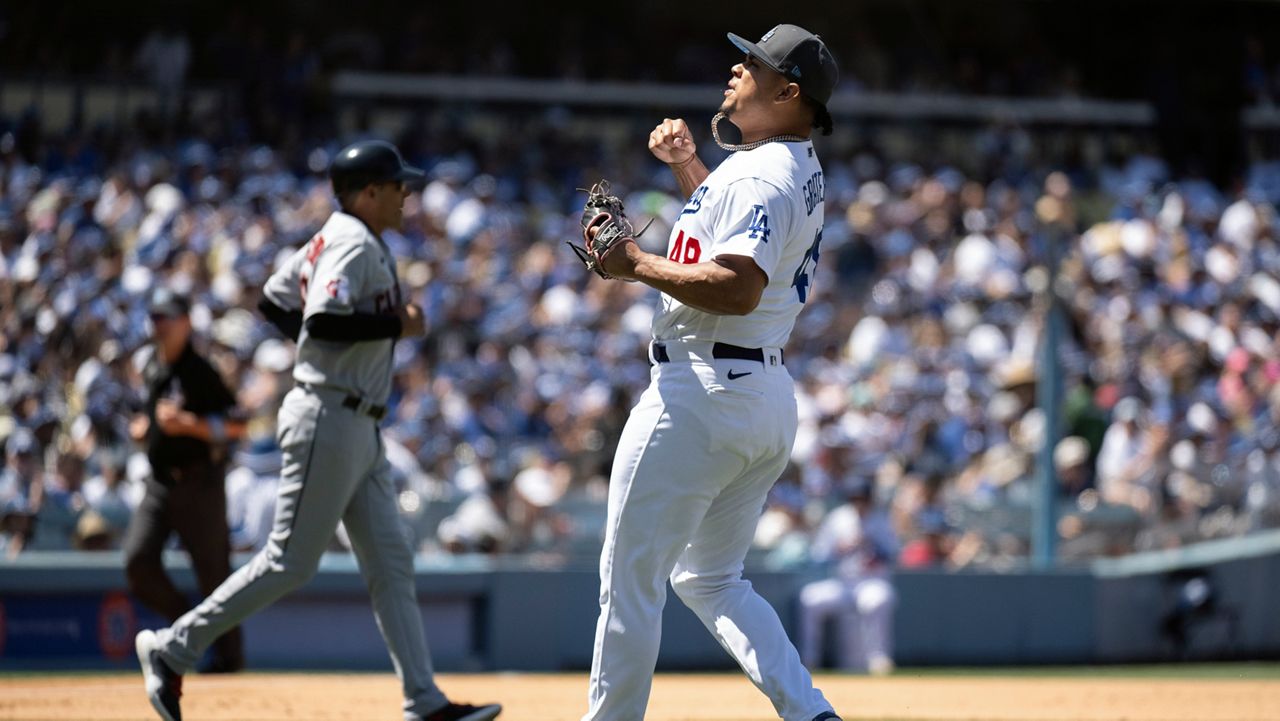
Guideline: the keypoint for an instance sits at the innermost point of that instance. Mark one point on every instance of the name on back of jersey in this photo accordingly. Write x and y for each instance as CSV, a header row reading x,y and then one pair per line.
x,y
814,192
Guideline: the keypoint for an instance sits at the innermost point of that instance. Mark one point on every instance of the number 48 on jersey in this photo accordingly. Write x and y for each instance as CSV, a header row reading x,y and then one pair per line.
x,y
800,281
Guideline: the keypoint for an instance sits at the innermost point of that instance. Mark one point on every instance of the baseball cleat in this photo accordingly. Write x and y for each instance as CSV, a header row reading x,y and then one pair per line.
x,y
827,716
466,712
164,685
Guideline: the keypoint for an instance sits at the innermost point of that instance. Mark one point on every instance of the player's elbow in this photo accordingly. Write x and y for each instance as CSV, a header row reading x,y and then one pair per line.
x,y
742,304
743,297
744,286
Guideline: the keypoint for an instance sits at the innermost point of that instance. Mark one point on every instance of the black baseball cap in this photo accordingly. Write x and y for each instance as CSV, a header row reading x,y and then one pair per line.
x,y
802,58
371,161
167,303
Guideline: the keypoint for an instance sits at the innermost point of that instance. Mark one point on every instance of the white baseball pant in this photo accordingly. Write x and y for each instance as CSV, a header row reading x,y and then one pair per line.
x,y
696,459
863,609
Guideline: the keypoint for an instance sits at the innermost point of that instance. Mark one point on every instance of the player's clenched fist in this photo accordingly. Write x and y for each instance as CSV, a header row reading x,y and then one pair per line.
x,y
671,142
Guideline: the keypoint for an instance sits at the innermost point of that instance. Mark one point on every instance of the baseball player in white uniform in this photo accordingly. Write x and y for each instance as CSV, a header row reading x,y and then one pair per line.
x,y
858,539
340,297
715,427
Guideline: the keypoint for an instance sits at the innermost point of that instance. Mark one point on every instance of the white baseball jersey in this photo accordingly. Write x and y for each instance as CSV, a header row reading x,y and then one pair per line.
x,y
707,440
345,268
766,204
858,544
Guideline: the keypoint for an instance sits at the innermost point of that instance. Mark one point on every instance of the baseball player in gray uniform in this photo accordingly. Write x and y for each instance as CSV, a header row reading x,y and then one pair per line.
x,y
339,296
715,427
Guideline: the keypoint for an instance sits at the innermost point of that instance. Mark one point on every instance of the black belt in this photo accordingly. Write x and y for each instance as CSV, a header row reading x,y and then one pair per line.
x,y
721,351
358,404
352,401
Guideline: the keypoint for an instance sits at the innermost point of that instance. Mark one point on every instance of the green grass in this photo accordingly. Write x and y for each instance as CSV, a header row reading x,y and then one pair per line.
x,y
1242,671
1253,671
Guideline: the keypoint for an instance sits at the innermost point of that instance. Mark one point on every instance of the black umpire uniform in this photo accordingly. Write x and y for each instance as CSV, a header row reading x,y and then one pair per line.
x,y
187,492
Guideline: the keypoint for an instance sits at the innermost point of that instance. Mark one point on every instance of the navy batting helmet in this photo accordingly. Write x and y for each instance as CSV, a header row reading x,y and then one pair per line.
x,y
371,161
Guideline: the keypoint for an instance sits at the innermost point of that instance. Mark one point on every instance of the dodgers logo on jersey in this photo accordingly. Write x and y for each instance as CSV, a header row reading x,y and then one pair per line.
x,y
759,225
695,201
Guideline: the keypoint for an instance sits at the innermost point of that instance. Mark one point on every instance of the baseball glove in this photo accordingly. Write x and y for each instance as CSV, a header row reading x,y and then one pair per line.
x,y
603,212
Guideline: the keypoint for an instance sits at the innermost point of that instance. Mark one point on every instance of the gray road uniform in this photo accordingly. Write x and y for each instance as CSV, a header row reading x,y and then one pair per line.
x,y
334,466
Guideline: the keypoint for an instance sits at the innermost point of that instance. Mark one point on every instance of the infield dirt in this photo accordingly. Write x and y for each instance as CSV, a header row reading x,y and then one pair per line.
x,y
689,697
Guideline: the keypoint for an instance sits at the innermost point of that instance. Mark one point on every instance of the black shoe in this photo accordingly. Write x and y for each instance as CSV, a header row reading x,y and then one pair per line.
x,y
164,685
827,716
465,712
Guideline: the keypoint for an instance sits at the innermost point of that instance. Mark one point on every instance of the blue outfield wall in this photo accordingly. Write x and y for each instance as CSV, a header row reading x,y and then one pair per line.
x,y
72,611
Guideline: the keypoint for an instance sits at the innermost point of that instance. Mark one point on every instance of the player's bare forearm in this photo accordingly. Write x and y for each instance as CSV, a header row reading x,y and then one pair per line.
x,y
727,285
690,174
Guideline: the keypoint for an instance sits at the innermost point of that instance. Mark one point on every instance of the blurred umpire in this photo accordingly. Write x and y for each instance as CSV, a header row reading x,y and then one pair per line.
x,y
186,428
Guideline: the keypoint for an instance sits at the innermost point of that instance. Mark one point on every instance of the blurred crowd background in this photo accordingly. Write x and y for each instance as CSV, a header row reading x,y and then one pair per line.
x,y
916,359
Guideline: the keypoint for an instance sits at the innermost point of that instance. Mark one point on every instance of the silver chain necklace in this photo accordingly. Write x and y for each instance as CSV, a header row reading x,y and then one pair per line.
x,y
715,133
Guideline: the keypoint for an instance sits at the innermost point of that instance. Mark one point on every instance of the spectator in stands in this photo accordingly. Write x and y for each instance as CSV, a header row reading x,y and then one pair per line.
x,y
251,494
479,525
932,544
62,505
858,543
935,278
535,490
21,491
1070,461
1124,457
783,530
111,495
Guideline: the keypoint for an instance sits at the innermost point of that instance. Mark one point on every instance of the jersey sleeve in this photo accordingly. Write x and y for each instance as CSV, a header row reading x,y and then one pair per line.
x,y
755,219
284,287
337,281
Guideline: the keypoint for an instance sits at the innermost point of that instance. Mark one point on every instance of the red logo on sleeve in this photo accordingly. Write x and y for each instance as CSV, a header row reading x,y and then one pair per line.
x,y
317,245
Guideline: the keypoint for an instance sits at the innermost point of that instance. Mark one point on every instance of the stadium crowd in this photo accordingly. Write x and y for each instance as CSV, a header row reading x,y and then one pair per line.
x,y
916,359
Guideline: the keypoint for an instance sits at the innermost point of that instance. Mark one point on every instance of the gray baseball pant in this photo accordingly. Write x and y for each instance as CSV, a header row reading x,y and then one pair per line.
x,y
335,469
